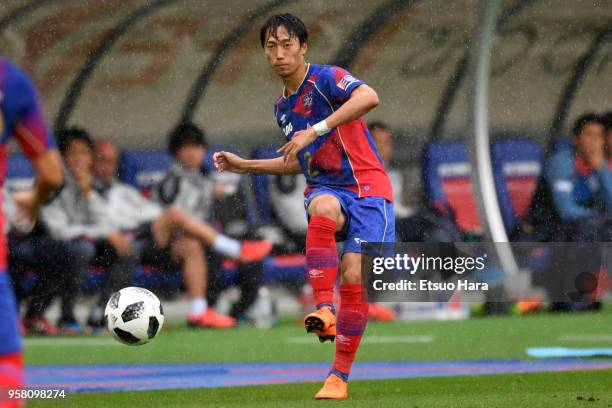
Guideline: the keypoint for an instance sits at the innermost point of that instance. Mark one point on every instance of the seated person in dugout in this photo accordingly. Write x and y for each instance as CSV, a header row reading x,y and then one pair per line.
x,y
580,188
580,184
76,219
165,233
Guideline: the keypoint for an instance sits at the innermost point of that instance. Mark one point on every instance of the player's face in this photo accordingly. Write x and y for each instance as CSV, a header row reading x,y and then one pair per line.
x,y
79,158
284,53
590,141
609,143
191,156
105,164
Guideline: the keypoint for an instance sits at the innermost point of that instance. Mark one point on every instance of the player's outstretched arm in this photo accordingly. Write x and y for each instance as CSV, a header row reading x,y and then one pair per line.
x,y
226,161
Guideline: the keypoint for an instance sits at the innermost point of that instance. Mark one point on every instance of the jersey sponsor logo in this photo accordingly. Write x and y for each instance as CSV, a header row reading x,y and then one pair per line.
x,y
315,273
346,81
288,129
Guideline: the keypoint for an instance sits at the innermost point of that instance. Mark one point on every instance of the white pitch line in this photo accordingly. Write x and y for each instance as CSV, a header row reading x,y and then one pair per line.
x,y
586,337
421,338
79,342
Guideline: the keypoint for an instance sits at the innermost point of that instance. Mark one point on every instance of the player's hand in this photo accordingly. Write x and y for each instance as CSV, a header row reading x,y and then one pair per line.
x,y
226,161
300,140
26,210
120,243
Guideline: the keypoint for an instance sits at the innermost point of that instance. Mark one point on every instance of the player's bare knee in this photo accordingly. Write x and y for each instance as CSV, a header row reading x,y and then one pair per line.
x,y
351,276
325,206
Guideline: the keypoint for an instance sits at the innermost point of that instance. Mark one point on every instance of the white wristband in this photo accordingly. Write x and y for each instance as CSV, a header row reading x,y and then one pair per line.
x,y
321,128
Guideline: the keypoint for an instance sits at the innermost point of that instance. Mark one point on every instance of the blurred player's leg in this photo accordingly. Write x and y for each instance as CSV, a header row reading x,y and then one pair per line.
x,y
11,361
190,253
175,219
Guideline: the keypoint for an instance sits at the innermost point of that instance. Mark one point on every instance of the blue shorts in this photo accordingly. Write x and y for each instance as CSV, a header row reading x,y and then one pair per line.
x,y
368,219
10,341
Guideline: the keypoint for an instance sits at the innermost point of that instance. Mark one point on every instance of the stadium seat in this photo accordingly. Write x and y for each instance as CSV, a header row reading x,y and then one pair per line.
x,y
19,173
144,169
447,182
517,165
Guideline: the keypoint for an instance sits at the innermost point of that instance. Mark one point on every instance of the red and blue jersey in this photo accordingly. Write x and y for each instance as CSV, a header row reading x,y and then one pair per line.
x,y
345,157
21,117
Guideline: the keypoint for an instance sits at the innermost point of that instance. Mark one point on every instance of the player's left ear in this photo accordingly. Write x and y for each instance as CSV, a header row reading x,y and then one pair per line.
x,y
303,49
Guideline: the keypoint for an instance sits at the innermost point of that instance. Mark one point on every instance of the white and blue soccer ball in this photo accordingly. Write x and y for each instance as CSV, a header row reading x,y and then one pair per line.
x,y
134,316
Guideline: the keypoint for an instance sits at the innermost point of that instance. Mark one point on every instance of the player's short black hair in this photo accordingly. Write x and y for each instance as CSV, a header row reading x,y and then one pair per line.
x,y
293,24
584,120
606,118
67,136
185,134
378,124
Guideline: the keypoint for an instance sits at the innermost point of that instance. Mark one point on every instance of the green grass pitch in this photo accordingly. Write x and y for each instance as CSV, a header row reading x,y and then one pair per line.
x,y
485,338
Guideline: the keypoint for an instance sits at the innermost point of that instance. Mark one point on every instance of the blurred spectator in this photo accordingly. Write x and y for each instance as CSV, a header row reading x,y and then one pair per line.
x,y
169,238
78,217
54,262
383,138
413,224
187,194
581,184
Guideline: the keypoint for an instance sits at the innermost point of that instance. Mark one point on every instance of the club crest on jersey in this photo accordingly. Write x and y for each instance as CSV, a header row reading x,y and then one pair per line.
x,y
346,81
307,99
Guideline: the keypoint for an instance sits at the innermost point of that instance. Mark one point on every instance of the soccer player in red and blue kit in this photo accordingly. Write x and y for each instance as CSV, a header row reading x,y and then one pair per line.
x,y
21,117
349,194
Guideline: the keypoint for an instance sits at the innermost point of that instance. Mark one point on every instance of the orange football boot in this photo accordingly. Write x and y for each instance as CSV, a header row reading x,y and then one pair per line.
x,y
322,323
334,387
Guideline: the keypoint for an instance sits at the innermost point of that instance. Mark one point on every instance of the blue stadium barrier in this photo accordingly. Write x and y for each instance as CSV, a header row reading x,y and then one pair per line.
x,y
447,183
517,166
